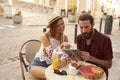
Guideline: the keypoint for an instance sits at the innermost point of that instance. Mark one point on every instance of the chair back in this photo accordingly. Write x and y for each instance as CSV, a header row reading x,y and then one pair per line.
x,y
31,49
27,53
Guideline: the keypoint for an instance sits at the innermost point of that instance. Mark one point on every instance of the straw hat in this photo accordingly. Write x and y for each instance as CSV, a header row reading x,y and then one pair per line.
x,y
52,18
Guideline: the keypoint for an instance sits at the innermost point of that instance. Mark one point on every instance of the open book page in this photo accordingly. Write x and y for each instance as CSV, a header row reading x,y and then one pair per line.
x,y
71,51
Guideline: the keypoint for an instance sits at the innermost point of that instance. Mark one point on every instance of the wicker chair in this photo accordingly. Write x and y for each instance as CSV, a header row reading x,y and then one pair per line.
x,y
26,54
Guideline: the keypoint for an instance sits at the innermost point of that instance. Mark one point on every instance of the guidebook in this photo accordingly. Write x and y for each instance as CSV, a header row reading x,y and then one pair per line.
x,y
72,51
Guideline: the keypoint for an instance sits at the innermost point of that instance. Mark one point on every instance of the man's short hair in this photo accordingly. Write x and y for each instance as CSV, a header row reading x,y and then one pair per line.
x,y
86,16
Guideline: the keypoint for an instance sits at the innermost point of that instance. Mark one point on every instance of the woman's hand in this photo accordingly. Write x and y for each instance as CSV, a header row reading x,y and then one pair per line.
x,y
65,44
62,63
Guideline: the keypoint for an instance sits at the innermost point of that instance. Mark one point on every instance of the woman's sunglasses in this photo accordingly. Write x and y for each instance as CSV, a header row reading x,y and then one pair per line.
x,y
57,71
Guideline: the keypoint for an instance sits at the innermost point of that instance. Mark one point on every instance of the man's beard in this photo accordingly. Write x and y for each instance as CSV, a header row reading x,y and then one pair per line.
x,y
87,35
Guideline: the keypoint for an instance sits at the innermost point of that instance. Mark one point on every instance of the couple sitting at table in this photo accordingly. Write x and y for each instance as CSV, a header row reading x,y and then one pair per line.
x,y
94,46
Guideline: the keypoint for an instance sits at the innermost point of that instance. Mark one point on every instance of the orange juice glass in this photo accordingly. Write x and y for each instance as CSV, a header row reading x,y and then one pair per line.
x,y
55,63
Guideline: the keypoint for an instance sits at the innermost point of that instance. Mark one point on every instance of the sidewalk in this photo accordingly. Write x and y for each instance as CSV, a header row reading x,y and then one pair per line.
x,y
12,36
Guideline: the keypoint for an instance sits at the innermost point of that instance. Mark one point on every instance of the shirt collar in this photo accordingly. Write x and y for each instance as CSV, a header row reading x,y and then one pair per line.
x,y
95,36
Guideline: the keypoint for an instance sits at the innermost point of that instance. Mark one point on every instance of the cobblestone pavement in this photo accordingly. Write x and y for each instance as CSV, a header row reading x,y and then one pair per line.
x,y
13,35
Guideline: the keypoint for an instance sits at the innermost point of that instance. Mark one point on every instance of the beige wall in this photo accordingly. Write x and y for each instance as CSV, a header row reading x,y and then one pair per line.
x,y
4,1
71,3
61,4
94,8
82,6
44,2
36,1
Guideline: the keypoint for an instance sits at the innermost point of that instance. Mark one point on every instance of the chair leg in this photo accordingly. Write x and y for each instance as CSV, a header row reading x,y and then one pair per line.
x,y
23,76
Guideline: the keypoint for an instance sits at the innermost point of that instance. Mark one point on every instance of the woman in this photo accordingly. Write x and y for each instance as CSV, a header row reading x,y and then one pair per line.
x,y
51,40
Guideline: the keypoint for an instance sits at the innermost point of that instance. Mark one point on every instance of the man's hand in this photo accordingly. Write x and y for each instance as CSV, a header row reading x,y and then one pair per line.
x,y
85,55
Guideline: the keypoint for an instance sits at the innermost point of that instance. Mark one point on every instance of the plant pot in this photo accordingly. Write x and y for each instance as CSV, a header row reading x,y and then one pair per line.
x,y
17,19
71,18
104,17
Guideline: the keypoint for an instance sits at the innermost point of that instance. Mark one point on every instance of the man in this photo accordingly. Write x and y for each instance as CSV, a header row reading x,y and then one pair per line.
x,y
95,47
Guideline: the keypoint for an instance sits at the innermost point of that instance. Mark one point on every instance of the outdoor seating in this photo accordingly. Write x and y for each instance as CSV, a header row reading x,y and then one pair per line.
x,y
26,54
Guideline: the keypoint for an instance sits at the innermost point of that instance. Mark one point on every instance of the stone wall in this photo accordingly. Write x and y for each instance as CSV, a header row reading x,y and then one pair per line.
x,y
5,9
3,1
33,6
1,7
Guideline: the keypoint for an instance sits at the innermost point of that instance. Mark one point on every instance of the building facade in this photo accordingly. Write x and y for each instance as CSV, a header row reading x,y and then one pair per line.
x,y
111,7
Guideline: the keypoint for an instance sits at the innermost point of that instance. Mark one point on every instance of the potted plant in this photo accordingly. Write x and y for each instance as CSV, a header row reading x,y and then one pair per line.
x,y
17,18
74,9
72,16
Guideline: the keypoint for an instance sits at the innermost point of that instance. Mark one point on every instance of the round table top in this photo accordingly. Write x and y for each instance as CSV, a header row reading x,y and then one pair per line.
x,y
50,75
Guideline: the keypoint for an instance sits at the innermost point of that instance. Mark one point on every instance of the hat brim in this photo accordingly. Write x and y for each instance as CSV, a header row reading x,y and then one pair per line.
x,y
58,17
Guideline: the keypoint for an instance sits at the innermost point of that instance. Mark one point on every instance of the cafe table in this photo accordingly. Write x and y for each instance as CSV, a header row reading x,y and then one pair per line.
x,y
50,75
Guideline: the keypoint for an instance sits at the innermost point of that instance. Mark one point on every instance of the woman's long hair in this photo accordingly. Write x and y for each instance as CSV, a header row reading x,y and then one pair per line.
x,y
52,32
